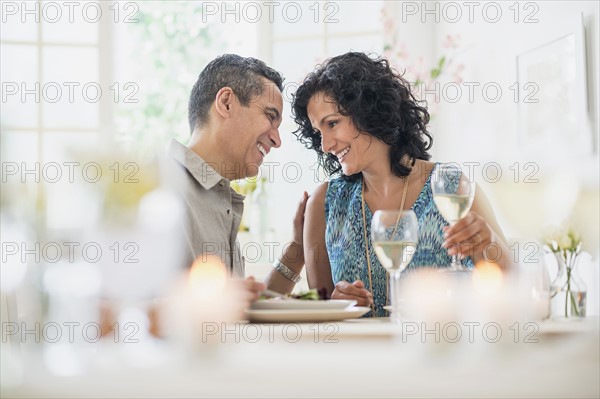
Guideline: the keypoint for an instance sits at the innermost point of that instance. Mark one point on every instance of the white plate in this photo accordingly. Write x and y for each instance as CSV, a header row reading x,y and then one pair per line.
x,y
292,304
305,315
390,308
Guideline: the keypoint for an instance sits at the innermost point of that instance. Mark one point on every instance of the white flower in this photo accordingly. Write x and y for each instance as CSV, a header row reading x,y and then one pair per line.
x,y
561,238
564,242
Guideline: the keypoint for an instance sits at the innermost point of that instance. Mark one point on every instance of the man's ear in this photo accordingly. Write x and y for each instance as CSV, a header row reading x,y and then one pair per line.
x,y
223,101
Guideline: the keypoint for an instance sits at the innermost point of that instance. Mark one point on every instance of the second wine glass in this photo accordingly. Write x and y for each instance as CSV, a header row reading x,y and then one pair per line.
x,y
453,194
395,236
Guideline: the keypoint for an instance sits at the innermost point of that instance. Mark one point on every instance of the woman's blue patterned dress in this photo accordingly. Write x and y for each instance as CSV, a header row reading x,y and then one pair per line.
x,y
345,242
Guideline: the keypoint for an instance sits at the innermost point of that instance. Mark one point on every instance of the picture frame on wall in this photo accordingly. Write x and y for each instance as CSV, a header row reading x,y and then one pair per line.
x,y
553,100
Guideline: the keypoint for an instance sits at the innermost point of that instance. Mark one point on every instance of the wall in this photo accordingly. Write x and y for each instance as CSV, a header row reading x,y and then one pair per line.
x,y
483,131
490,56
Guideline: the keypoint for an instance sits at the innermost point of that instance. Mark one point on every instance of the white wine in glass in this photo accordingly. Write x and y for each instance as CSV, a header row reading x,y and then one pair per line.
x,y
394,235
395,255
453,194
453,207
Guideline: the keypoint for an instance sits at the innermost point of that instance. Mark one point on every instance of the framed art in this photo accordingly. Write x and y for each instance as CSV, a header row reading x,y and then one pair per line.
x,y
553,102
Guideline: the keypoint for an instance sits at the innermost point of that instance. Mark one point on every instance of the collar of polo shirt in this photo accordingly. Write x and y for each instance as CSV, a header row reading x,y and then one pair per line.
x,y
205,174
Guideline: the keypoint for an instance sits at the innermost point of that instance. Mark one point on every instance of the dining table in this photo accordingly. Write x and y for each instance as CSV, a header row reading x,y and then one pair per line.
x,y
363,357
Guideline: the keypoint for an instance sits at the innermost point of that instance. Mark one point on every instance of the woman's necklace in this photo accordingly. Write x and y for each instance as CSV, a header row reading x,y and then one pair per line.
x,y
362,197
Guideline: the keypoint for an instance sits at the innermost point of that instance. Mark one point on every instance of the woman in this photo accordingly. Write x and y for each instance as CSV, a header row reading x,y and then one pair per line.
x,y
361,118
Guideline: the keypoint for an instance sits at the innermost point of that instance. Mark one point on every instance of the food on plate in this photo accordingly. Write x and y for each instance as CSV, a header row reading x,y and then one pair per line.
x,y
310,295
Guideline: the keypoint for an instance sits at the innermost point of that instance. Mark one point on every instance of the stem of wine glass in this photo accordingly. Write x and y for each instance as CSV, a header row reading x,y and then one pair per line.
x,y
395,315
455,265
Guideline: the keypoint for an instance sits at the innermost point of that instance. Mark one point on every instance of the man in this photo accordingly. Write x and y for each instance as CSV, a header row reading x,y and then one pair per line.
x,y
235,110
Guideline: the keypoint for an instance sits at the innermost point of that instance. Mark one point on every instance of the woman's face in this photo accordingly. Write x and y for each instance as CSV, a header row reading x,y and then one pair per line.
x,y
338,134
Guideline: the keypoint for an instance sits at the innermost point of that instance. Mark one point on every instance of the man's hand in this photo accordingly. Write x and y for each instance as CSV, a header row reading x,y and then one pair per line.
x,y
252,288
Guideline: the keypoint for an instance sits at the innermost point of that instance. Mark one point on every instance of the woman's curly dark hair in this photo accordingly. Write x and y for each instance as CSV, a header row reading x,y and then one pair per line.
x,y
379,102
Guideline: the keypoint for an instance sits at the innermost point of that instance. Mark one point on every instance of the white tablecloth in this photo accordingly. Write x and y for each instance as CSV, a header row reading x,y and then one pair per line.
x,y
358,358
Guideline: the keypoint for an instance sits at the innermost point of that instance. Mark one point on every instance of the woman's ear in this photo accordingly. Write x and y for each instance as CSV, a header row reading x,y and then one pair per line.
x,y
223,101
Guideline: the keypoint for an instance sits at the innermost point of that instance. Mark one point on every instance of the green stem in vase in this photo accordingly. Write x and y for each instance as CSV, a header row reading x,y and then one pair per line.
x,y
564,286
568,292
574,304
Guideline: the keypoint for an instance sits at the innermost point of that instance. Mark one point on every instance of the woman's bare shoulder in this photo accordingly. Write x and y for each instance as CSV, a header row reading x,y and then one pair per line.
x,y
422,170
317,198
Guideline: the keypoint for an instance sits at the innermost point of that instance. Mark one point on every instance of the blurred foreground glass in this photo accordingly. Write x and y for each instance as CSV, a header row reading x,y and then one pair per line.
x,y
142,225
486,295
395,236
533,279
131,234
453,194
202,300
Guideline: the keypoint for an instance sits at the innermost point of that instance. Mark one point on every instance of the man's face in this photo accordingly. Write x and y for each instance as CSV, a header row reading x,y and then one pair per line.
x,y
256,129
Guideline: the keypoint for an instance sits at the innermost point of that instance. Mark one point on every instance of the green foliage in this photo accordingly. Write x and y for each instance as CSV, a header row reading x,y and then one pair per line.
x,y
435,72
170,46
442,62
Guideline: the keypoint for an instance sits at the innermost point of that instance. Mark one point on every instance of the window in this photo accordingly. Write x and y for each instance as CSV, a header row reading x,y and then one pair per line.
x,y
302,35
54,98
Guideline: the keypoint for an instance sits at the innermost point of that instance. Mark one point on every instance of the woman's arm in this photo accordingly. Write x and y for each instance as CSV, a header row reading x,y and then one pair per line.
x,y
318,270
293,254
316,257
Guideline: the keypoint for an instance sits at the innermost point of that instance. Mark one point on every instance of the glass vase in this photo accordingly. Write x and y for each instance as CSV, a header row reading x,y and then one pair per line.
x,y
569,292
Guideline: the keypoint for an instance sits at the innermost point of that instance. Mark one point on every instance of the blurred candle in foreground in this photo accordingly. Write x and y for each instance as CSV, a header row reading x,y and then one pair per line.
x,y
487,279
495,295
207,279
432,296
206,300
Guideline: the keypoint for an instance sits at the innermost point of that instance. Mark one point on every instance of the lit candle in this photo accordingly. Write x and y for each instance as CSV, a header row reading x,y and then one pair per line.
x,y
495,295
487,280
431,296
488,292
203,303
207,279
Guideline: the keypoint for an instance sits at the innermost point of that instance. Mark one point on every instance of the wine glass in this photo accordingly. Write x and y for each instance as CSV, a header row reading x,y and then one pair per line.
x,y
395,236
453,194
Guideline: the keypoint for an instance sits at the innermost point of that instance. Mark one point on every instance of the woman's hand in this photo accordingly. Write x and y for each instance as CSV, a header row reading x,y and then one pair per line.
x,y
355,291
478,235
293,254
299,220
471,236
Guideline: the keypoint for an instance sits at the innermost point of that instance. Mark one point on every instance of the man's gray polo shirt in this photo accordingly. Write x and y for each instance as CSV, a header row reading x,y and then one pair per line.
x,y
213,209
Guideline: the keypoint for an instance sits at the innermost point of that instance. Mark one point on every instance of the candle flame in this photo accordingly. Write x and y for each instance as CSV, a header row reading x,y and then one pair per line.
x,y
487,278
207,277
